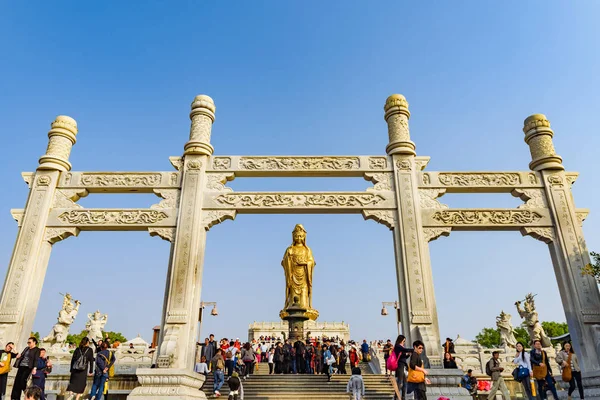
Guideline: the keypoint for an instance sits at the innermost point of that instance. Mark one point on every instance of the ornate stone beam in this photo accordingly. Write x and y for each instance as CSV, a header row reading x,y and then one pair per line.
x,y
98,219
486,219
479,182
305,202
304,166
119,182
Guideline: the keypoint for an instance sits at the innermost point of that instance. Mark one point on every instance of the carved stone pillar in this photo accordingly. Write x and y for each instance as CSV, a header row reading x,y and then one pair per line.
x,y
27,268
579,293
181,309
413,267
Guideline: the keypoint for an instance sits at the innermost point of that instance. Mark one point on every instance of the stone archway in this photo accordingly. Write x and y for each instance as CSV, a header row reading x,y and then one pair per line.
x,y
195,197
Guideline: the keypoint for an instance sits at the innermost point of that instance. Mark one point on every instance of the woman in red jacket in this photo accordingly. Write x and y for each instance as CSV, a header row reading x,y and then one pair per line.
x,y
354,359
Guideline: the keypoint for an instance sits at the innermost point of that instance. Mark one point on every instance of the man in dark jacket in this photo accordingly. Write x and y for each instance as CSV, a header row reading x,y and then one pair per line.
x,y
364,348
343,358
287,356
43,368
103,364
539,359
300,351
26,365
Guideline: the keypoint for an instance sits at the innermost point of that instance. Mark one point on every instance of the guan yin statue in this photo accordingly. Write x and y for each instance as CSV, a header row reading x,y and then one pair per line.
x,y
298,264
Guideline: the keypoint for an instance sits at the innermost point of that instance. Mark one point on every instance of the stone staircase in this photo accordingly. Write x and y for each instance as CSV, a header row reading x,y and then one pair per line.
x,y
262,386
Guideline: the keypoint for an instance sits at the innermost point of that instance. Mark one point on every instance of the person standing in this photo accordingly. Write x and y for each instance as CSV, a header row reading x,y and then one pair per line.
x,y
567,359
82,366
343,359
523,362
354,358
271,360
42,369
6,357
402,355
287,356
328,360
25,364
300,351
448,346
386,353
418,382
310,356
449,362
248,357
264,350
318,358
101,373
542,372
218,376
210,349
278,358
494,369
364,348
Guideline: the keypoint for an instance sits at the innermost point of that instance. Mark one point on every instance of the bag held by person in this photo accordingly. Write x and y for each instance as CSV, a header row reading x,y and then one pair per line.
x,y
540,371
81,363
392,361
415,376
567,373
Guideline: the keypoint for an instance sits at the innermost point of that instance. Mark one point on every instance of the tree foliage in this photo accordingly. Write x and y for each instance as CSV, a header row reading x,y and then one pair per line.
x,y
593,269
522,335
36,335
488,338
554,329
113,336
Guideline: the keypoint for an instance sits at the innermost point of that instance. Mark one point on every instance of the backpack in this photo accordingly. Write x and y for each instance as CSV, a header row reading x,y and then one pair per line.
x,y
392,361
111,370
81,363
488,368
220,363
229,355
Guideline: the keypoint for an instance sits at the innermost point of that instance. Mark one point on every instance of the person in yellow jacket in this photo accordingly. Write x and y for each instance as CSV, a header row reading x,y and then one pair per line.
x,y
6,357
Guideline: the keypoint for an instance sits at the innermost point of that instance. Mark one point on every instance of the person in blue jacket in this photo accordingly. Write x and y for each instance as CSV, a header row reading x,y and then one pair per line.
x,y
42,369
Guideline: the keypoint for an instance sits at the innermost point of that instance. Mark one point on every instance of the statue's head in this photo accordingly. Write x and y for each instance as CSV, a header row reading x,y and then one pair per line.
x,y
68,307
97,314
299,235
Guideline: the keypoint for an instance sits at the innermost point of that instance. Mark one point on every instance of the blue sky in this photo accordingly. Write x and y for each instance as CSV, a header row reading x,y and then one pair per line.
x,y
298,78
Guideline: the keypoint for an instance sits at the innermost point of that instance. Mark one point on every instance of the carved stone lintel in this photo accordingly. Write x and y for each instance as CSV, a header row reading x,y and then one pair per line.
x,y
377,162
545,235
308,200
17,214
434,233
120,179
217,182
299,163
483,217
170,198
428,198
382,180
118,217
66,198
176,162
221,163
163,233
385,217
479,179
533,198
54,235
211,218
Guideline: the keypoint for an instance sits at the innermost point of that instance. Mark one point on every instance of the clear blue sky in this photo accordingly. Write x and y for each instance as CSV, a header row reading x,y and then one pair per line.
x,y
298,78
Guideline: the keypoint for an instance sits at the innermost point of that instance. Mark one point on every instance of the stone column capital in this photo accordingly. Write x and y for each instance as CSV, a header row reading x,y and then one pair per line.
x,y
61,138
538,135
202,116
397,116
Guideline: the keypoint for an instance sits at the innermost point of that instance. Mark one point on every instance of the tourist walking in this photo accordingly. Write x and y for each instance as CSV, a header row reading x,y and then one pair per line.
x,y
309,358
541,371
364,348
571,372
236,389
287,356
449,362
6,357
271,360
249,358
42,369
356,385
278,358
218,376
328,360
300,350
82,366
101,372
387,348
448,346
209,348
354,358
523,362
416,379
230,356
494,370
343,359
402,356
25,364
264,350
318,358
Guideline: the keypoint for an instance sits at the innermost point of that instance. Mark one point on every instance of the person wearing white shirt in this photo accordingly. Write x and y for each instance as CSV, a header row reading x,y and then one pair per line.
x,y
202,368
230,361
523,360
264,349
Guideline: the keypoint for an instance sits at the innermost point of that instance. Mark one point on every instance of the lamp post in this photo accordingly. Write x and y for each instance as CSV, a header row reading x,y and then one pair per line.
x,y
213,312
396,306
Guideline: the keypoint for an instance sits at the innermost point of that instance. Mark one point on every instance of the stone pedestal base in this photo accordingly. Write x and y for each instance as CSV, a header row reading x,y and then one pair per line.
x,y
295,318
167,384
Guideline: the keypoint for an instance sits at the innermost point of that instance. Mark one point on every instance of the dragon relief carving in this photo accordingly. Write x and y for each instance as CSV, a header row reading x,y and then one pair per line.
x,y
299,163
486,217
533,198
427,198
120,179
385,217
479,179
211,218
434,233
170,198
242,200
218,181
119,217
382,180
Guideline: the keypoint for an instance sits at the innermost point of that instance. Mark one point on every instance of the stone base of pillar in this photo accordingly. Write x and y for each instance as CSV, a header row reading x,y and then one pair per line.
x,y
167,384
591,387
446,383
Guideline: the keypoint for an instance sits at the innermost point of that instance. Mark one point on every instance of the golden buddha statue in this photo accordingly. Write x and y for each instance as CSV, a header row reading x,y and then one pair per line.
x,y
298,265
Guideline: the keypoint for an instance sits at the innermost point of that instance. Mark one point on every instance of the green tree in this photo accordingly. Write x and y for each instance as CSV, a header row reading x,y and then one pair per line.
x,y
593,269
522,335
36,335
488,337
75,339
554,329
115,336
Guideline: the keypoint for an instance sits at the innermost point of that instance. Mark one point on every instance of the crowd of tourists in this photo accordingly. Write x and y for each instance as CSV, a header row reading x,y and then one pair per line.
x,y
231,358
33,363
